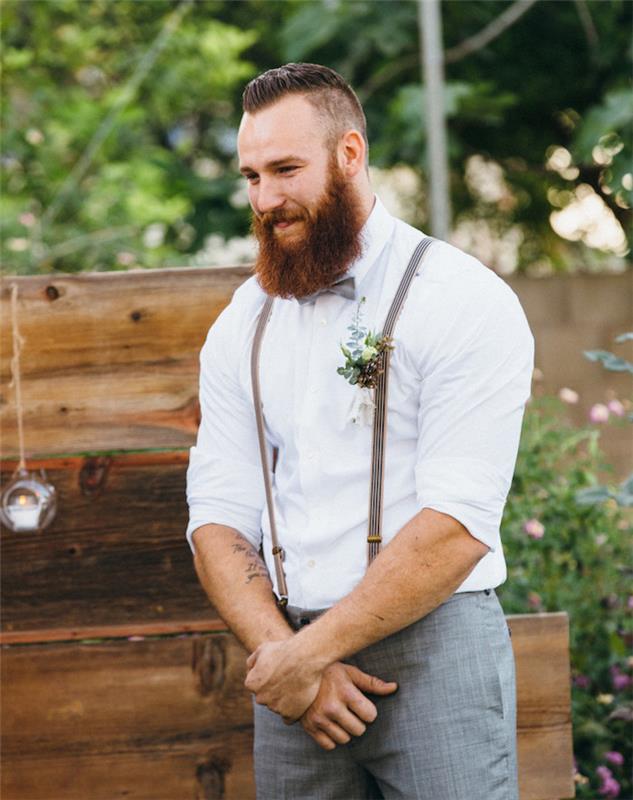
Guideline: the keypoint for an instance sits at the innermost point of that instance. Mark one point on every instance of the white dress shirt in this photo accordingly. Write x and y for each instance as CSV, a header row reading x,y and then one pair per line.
x,y
460,377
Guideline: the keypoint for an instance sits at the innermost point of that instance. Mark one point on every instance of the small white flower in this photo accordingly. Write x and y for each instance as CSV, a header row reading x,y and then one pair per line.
x,y
18,244
568,395
368,353
361,410
34,136
154,235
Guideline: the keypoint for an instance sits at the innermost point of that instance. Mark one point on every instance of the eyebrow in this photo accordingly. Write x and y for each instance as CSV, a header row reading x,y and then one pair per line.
x,y
279,162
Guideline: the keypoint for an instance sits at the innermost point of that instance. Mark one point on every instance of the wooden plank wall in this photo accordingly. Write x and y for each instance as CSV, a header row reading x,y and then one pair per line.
x,y
168,718
164,717
110,363
110,360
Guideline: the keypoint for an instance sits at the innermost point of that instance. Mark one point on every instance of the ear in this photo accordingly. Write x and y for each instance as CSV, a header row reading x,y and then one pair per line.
x,y
351,152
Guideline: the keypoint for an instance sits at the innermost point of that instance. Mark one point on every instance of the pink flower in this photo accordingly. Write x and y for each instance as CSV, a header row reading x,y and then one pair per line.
x,y
599,413
619,679
616,407
609,787
614,757
582,681
603,772
630,601
534,528
534,600
568,396
27,219
620,682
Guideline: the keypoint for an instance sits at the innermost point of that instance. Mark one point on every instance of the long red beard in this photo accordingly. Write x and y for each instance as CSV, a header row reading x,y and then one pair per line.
x,y
330,243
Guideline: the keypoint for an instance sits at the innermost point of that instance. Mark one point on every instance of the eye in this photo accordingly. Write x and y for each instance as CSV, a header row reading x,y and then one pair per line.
x,y
251,177
287,169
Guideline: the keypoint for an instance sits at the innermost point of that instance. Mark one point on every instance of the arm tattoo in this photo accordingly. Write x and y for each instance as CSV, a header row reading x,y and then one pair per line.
x,y
255,566
256,569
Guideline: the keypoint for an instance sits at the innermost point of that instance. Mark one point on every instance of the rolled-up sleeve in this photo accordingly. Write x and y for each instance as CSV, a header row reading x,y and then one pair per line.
x,y
471,410
224,480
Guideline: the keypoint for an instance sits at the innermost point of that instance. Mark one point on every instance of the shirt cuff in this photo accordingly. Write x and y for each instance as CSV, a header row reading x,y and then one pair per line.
x,y
470,490
220,516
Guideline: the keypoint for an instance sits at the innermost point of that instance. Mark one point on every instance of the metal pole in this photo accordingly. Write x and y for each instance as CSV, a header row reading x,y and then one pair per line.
x,y
431,45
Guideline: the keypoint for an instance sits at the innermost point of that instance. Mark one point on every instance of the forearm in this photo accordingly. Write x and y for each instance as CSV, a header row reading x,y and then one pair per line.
x,y
236,581
420,568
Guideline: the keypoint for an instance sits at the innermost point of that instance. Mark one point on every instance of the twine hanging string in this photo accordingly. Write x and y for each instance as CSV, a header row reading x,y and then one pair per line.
x,y
18,341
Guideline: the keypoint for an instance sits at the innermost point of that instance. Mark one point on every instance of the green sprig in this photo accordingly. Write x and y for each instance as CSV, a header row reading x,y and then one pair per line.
x,y
363,353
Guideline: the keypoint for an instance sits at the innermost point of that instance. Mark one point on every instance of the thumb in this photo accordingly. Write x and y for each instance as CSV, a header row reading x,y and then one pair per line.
x,y
370,684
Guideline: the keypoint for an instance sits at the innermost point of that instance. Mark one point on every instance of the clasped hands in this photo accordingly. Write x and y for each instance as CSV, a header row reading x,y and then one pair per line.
x,y
328,699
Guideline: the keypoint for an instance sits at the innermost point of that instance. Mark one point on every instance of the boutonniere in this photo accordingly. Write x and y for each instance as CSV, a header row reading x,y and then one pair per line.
x,y
363,364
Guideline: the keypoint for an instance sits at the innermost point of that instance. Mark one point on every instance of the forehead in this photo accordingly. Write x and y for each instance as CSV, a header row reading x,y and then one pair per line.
x,y
291,126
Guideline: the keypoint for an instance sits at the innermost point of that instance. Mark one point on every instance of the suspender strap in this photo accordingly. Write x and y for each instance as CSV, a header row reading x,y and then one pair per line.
x,y
259,416
376,493
374,536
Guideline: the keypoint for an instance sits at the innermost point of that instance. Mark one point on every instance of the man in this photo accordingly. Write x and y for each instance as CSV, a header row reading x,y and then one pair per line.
x,y
423,618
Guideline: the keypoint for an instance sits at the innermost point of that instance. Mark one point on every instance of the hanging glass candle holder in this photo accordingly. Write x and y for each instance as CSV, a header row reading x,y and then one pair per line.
x,y
28,502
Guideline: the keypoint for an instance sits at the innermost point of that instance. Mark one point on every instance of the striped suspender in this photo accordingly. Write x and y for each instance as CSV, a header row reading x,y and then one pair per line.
x,y
374,531
278,554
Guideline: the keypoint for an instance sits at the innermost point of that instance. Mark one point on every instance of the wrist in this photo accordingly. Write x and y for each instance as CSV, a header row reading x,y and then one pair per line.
x,y
311,648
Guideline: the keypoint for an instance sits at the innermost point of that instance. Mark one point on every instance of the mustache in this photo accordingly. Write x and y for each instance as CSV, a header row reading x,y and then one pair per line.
x,y
271,218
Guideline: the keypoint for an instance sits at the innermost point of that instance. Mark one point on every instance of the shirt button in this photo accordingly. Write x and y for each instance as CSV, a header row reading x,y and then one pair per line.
x,y
310,455
312,563
323,322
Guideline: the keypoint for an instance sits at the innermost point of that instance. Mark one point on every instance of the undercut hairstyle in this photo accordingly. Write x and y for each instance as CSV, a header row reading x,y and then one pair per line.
x,y
325,89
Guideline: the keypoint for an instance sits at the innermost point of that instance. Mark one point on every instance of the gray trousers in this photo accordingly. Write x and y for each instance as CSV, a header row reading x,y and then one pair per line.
x,y
448,733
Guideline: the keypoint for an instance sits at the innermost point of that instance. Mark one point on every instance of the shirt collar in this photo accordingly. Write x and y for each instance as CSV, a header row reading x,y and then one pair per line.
x,y
374,235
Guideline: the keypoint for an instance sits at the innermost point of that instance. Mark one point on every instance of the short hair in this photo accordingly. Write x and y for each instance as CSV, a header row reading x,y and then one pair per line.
x,y
324,88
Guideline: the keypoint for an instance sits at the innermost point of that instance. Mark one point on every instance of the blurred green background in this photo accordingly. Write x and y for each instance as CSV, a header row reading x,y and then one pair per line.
x,y
119,126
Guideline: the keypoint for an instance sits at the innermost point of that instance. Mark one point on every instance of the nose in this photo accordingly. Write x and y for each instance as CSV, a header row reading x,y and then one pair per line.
x,y
267,196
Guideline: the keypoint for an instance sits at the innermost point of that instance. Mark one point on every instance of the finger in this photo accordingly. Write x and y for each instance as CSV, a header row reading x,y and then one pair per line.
x,y
361,706
349,722
250,661
370,683
322,739
335,732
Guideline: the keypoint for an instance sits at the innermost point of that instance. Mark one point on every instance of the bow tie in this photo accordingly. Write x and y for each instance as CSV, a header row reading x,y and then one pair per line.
x,y
344,287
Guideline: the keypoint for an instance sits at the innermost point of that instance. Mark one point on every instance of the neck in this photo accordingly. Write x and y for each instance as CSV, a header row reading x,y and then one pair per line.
x,y
367,200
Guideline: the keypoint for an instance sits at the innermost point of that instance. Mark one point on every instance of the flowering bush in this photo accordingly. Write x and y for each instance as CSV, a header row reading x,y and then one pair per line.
x,y
567,556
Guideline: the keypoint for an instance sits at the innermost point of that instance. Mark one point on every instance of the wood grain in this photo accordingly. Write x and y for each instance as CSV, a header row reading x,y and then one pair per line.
x,y
169,717
110,360
541,649
116,553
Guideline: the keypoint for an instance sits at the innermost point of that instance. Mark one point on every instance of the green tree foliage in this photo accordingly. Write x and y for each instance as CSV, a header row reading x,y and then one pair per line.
x,y
164,177
153,187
